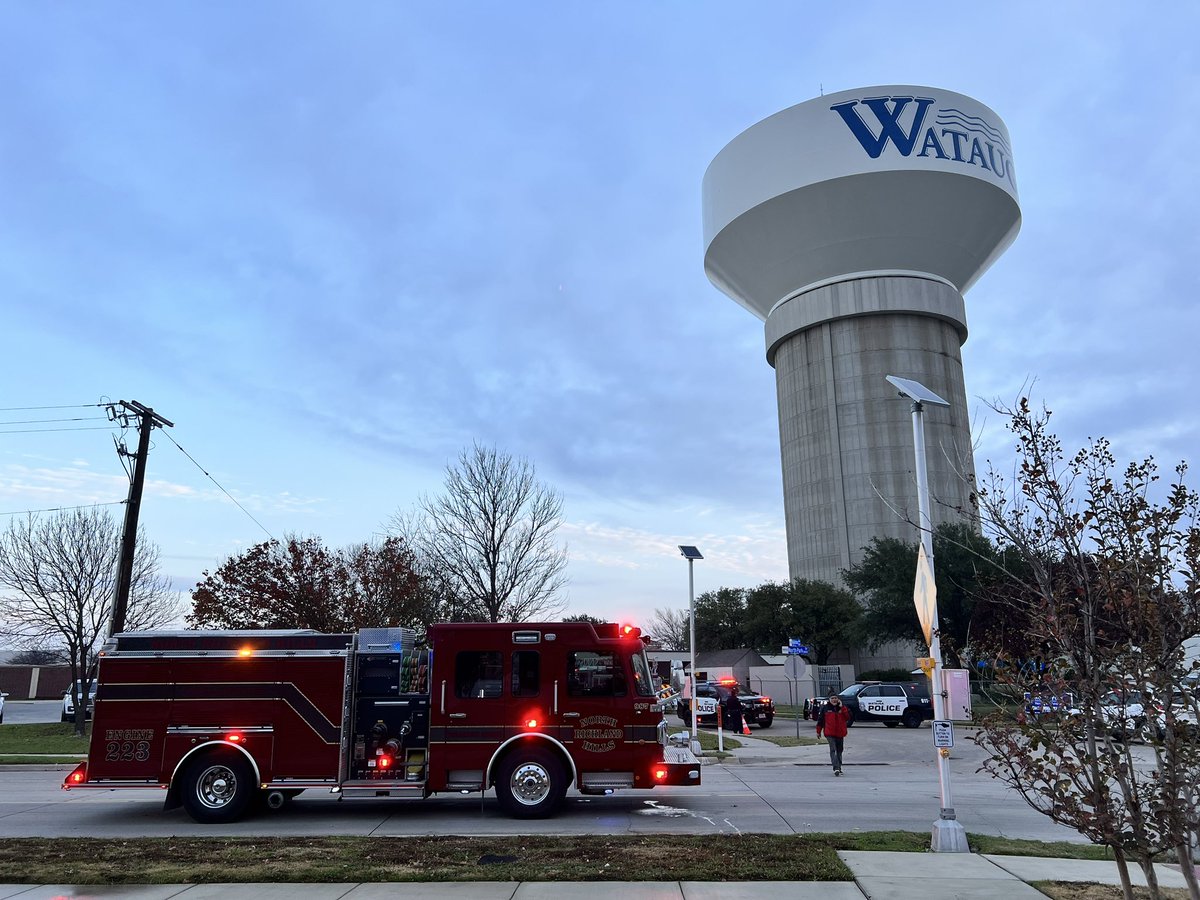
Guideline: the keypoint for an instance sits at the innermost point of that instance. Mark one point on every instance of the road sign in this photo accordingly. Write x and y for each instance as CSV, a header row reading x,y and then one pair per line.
x,y
795,666
795,645
943,733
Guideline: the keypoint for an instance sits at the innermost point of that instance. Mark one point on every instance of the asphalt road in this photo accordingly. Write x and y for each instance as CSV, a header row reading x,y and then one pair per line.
x,y
890,783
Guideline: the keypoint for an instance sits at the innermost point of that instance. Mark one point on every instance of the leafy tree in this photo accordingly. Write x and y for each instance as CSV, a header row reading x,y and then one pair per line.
x,y
1107,593
670,629
584,617
885,576
720,616
60,573
826,617
304,584
489,539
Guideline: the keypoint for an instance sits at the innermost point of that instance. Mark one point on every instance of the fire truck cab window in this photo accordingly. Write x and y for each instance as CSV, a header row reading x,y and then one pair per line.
x,y
479,674
591,674
642,685
525,673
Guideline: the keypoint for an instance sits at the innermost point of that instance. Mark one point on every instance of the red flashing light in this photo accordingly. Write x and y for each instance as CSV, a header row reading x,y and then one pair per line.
x,y
236,738
659,774
531,723
728,681
384,762
78,776
246,652
766,699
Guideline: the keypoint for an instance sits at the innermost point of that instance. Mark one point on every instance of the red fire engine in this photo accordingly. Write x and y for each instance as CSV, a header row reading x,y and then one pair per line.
x,y
221,718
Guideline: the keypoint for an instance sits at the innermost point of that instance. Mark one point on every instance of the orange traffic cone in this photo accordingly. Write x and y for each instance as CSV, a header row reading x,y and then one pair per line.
x,y
745,727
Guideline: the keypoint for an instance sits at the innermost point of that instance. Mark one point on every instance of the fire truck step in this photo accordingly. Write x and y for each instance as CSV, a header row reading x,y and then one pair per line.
x,y
375,789
597,781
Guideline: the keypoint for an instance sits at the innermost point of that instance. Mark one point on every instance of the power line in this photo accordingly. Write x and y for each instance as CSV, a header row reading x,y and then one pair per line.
x,y
48,430
214,481
23,512
46,421
30,408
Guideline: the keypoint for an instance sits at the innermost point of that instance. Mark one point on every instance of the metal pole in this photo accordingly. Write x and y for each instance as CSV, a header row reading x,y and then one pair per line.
x,y
692,642
948,833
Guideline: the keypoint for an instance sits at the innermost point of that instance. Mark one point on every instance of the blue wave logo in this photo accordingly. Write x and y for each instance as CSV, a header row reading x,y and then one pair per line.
x,y
953,135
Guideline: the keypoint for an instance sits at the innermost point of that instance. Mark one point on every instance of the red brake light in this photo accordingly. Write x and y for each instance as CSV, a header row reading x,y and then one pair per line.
x,y
78,776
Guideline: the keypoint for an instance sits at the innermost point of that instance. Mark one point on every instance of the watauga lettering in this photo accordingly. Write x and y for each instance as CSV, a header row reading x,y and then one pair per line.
x,y
954,135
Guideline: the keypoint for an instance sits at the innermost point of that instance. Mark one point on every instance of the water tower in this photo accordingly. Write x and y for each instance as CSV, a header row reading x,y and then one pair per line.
x,y
852,225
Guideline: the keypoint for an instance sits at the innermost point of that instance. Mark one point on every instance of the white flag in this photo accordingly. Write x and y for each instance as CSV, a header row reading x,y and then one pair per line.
x,y
925,594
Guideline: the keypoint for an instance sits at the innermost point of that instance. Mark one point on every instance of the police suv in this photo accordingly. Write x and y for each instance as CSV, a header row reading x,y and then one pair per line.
x,y
893,703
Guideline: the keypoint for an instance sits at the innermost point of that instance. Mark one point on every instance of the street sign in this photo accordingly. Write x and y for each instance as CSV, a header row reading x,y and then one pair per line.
x,y
706,706
795,666
943,733
795,645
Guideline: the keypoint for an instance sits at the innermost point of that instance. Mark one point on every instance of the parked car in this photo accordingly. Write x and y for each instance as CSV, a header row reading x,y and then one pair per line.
x,y
1123,713
893,703
68,706
756,709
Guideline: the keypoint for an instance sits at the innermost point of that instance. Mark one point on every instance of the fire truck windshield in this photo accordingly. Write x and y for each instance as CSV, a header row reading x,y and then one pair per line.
x,y
642,685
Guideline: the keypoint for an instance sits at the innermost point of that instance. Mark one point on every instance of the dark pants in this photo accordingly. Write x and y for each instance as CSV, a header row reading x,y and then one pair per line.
x,y
835,751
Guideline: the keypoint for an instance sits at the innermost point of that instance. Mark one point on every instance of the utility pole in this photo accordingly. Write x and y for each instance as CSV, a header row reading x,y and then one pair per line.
x,y
147,419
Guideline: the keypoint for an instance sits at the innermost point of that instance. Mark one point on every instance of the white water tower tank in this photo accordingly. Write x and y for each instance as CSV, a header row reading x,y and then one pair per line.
x,y
852,224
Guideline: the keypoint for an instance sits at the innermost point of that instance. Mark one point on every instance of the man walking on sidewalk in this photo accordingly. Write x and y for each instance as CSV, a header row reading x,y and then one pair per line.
x,y
833,719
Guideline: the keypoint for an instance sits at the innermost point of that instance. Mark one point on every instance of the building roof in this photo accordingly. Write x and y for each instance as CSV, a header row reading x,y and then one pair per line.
x,y
737,657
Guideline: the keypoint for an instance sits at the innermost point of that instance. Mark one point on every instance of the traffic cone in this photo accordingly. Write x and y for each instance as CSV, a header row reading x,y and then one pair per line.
x,y
745,727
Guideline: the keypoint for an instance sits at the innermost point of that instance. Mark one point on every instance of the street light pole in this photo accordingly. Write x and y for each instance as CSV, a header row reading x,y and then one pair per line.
x,y
949,836
691,554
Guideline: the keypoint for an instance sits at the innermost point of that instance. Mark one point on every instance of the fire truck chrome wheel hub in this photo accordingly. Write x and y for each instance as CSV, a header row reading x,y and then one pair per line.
x,y
530,784
216,786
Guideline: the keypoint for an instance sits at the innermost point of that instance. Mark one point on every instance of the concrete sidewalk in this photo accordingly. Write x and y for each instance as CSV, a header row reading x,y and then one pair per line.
x,y
877,876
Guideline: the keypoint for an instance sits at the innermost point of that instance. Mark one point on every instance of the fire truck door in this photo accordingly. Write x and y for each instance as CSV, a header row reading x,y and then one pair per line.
x,y
597,710
480,701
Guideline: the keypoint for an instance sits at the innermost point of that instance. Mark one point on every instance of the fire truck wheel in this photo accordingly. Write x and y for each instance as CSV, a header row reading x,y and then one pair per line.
x,y
530,783
217,787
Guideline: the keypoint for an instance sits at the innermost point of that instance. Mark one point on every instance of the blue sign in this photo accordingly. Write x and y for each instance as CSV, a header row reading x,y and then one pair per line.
x,y
796,648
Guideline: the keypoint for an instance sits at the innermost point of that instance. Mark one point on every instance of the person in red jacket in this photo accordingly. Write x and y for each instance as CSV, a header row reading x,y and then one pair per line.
x,y
833,719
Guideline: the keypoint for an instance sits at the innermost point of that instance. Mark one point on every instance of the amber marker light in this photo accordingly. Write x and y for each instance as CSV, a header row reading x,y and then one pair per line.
x,y
246,652
236,738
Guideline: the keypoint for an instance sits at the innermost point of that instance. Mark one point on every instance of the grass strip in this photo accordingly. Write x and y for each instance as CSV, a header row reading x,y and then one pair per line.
x,y
747,857
50,737
419,859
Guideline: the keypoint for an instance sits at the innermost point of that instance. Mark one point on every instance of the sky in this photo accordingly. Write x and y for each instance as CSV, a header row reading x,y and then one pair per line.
x,y
335,244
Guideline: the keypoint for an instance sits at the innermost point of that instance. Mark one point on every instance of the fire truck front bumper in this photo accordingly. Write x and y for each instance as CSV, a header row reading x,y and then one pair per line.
x,y
679,766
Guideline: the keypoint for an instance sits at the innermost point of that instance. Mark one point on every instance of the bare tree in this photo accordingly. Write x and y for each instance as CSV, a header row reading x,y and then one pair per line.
x,y
59,576
1102,577
489,539
669,629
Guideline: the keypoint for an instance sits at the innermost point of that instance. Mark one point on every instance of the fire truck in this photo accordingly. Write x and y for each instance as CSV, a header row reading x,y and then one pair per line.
x,y
223,720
